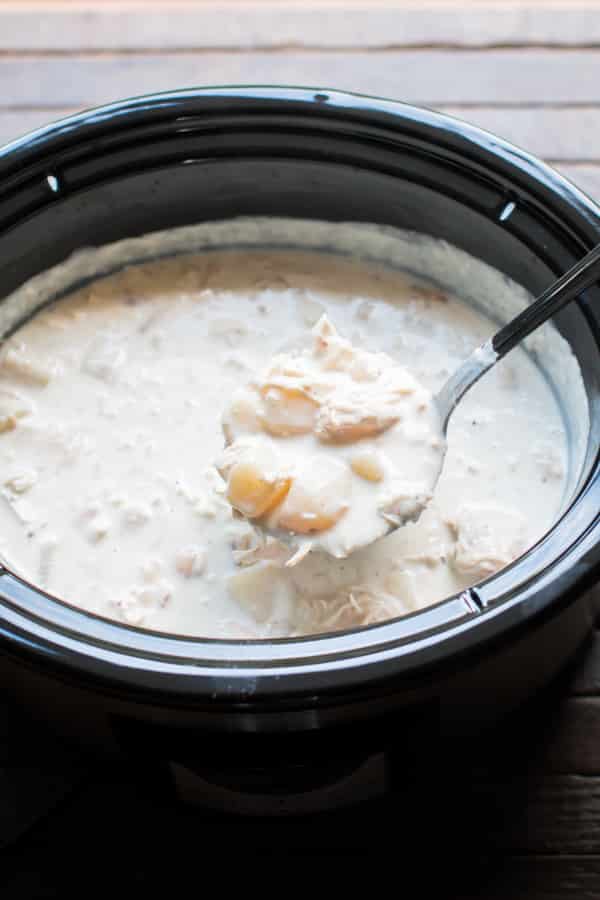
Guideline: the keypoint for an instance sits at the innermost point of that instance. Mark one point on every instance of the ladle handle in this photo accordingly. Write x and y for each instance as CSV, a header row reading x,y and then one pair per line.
x,y
583,274
577,279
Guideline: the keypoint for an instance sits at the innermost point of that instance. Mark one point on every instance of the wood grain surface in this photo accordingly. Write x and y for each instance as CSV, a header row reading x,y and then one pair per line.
x,y
524,803
248,25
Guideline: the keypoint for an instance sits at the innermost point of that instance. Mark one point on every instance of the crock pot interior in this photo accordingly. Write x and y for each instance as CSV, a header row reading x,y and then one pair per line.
x,y
111,179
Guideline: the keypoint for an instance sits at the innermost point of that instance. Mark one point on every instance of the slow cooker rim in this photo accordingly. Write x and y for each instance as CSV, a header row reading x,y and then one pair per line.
x,y
33,145
473,611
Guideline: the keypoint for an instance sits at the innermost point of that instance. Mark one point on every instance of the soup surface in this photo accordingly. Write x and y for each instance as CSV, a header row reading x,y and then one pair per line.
x,y
111,403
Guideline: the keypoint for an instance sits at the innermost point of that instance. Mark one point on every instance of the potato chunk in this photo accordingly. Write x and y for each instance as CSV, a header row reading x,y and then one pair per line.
x,y
264,591
367,465
255,480
317,499
253,493
243,415
286,411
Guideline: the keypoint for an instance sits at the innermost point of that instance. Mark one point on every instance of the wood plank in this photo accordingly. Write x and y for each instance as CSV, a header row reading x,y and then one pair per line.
x,y
586,676
563,738
429,77
557,134
535,813
553,734
101,25
15,123
539,878
567,133
470,857
44,875
586,177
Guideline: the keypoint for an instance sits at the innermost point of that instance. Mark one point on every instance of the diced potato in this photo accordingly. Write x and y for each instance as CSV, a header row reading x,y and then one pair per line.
x,y
243,414
286,411
264,591
253,494
317,499
367,465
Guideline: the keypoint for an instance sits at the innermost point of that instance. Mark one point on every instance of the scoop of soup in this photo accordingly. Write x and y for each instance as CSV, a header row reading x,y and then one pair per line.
x,y
332,446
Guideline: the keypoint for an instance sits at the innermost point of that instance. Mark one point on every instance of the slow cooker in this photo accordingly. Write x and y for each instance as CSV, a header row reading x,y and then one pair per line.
x,y
258,719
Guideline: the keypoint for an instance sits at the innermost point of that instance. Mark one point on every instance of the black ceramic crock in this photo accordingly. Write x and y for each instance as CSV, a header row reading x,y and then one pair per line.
x,y
293,705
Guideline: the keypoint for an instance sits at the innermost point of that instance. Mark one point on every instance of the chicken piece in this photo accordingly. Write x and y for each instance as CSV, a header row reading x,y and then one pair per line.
x,y
339,423
191,561
487,539
404,501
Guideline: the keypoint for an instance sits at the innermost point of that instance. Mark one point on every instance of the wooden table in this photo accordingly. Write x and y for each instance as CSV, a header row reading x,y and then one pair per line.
x,y
524,802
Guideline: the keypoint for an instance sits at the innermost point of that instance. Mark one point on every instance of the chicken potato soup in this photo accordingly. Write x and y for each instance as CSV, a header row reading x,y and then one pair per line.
x,y
115,492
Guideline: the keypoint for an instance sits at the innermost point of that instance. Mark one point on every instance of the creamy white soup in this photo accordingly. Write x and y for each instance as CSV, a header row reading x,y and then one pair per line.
x,y
111,406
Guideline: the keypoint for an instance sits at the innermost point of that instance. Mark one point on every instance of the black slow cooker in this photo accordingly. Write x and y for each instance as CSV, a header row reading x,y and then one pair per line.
x,y
252,716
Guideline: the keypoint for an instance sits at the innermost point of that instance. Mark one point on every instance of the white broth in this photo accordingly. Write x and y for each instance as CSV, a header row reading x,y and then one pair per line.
x,y
110,424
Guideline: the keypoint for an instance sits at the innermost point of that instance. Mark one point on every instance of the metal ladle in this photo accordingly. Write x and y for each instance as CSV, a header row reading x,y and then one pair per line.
x,y
581,276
